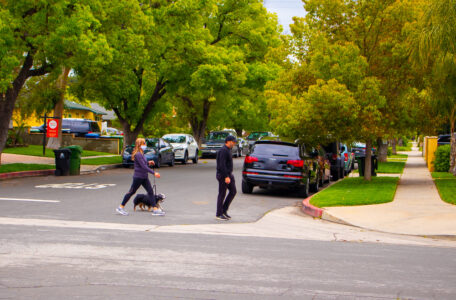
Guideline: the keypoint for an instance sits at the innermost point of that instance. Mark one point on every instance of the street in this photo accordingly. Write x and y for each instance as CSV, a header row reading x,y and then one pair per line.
x,y
69,242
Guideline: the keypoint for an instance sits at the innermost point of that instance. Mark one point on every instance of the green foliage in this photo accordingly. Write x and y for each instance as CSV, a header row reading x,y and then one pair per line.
x,y
391,167
442,158
37,150
102,160
356,191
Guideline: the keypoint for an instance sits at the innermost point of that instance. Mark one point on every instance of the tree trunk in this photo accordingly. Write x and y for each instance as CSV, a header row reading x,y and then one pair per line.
x,y
382,152
393,146
61,84
8,99
368,165
199,125
453,143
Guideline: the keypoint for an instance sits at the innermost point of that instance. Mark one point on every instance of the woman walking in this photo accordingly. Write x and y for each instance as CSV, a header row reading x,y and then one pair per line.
x,y
140,177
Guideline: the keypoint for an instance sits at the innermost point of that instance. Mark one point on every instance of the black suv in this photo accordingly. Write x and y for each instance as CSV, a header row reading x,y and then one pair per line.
x,y
280,164
215,140
79,127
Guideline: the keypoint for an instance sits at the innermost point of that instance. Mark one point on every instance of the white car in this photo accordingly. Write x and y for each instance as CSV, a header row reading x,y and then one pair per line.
x,y
185,146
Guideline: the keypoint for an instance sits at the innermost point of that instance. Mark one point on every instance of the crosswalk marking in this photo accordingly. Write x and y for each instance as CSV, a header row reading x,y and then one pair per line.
x,y
29,200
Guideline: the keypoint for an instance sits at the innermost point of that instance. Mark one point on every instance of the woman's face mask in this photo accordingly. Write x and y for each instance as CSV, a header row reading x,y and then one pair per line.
x,y
143,147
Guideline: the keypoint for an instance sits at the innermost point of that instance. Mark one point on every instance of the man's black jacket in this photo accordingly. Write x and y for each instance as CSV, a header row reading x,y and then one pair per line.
x,y
224,162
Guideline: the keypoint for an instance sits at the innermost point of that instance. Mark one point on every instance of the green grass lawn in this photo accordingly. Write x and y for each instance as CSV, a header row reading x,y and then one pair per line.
x,y
391,167
24,167
402,148
102,160
357,191
442,175
398,156
35,150
447,189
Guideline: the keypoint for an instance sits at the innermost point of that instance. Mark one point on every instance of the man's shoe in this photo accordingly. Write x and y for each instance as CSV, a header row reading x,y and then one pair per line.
x,y
227,216
222,218
121,211
158,212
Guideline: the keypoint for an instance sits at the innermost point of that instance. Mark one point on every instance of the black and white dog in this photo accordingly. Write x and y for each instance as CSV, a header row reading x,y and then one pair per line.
x,y
143,201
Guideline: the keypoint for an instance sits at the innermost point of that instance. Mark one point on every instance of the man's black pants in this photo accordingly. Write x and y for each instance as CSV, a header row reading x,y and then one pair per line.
x,y
223,204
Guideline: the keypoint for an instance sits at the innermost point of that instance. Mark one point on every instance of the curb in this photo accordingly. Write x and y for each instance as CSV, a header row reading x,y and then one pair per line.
x,y
311,210
21,174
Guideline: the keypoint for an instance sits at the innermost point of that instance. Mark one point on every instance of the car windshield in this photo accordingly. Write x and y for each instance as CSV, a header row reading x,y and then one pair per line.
x,y
217,136
174,138
444,139
152,143
256,135
276,150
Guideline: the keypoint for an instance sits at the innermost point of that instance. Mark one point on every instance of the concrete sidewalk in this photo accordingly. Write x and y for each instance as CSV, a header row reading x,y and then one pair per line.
x,y
416,210
8,158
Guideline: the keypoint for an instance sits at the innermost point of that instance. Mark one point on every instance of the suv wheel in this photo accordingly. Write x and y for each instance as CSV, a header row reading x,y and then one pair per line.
x,y
185,158
335,175
171,164
195,160
315,186
247,188
304,191
342,173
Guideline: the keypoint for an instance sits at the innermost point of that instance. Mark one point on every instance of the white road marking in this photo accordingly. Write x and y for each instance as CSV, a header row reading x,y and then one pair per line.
x,y
28,200
76,185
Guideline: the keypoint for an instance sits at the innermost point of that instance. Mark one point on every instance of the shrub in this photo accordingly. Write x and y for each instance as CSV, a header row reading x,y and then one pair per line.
x,y
442,158
389,151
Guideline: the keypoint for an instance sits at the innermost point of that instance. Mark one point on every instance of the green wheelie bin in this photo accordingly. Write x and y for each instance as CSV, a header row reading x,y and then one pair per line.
x,y
75,159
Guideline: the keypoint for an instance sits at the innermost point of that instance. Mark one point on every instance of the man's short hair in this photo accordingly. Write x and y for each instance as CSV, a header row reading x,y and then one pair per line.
x,y
230,138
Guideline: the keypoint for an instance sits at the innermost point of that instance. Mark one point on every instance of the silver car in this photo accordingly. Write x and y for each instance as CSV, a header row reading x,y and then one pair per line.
x,y
185,146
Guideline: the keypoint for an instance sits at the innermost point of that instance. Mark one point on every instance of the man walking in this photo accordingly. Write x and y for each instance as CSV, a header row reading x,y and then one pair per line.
x,y
225,178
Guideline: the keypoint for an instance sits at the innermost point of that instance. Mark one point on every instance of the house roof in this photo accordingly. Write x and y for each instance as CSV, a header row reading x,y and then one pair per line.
x,y
73,105
109,114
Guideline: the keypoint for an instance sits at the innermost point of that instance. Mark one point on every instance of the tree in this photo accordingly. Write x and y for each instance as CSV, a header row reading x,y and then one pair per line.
x,y
436,47
36,37
228,64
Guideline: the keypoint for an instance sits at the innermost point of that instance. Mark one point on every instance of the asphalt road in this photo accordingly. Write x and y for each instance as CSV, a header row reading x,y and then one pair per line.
x,y
191,192
119,257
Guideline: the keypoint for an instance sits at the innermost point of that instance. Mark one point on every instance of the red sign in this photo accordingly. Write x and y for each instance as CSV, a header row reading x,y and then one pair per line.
x,y
52,128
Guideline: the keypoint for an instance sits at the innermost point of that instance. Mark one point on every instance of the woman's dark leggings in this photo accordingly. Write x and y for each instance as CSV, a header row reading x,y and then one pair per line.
x,y
137,182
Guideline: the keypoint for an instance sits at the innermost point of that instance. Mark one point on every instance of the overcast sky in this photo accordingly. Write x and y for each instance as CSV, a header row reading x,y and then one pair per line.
x,y
285,10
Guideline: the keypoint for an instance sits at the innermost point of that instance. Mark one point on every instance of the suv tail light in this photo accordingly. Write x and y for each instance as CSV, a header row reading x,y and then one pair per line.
x,y
334,156
90,132
250,159
346,156
296,163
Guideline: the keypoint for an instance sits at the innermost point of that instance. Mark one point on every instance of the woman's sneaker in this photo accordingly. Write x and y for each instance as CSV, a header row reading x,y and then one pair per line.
x,y
158,212
121,211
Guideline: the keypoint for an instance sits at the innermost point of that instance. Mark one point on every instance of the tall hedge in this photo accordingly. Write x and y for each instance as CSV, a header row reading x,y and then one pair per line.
x,y
442,158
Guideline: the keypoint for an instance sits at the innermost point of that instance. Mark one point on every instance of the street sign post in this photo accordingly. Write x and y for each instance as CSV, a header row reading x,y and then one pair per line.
x,y
52,123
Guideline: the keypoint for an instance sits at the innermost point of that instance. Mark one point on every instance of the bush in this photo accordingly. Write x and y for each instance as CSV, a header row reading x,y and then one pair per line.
x,y
442,158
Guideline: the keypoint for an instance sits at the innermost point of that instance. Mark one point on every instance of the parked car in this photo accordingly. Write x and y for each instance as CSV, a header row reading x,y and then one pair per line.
x,y
185,146
444,139
280,164
79,127
349,158
359,149
243,146
337,163
257,135
113,131
215,140
323,163
157,149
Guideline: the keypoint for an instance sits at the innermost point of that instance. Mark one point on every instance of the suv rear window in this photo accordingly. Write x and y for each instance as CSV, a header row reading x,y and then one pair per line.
x,y
276,150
